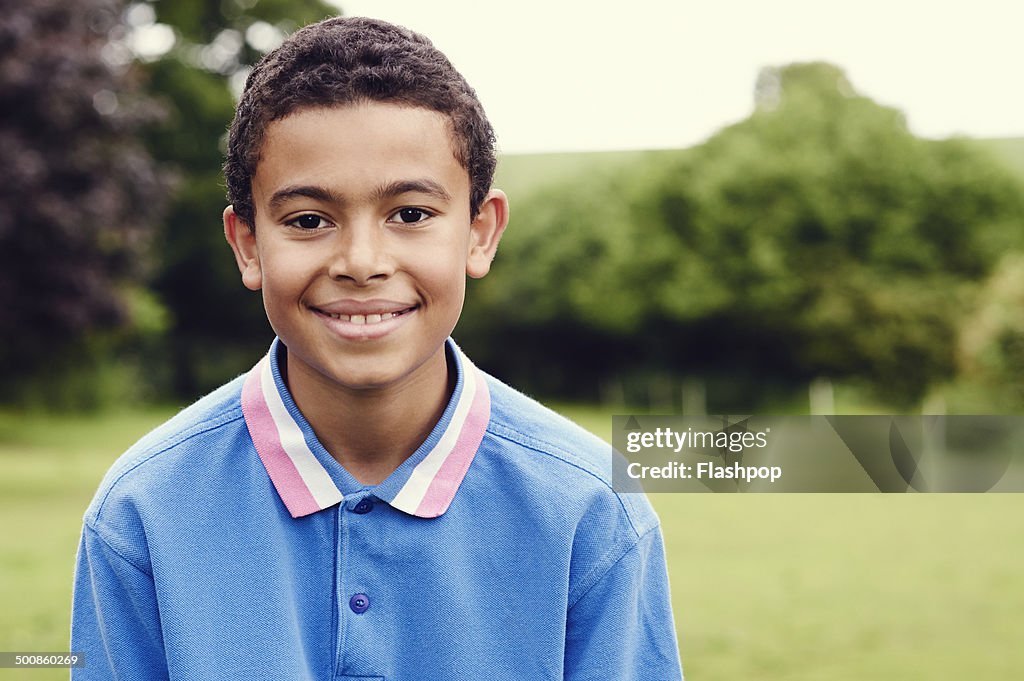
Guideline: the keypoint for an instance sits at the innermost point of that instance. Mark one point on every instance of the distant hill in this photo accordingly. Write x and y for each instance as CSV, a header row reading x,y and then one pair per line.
x,y
1010,149
521,174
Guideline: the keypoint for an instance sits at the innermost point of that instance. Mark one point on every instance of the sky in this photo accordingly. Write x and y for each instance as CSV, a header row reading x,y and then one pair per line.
x,y
575,75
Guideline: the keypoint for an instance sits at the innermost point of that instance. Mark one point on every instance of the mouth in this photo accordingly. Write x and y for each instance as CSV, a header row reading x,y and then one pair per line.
x,y
364,321
367,319
375,317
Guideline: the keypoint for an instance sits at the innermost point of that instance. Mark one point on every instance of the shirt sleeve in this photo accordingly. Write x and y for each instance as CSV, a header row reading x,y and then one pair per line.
x,y
622,627
114,618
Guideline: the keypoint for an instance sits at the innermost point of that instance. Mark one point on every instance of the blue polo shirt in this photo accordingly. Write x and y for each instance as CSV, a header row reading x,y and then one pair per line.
x,y
229,544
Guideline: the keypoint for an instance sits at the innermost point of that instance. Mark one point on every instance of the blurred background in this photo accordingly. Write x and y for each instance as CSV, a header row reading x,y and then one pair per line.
x,y
785,208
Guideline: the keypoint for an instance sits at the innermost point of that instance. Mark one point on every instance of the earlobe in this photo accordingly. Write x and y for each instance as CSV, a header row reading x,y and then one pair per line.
x,y
485,233
243,243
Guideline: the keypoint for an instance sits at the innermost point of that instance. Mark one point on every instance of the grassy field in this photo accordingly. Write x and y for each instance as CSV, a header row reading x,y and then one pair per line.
x,y
786,587
49,470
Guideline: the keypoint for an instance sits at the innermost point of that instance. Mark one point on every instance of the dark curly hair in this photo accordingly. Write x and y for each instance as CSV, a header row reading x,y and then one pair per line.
x,y
346,60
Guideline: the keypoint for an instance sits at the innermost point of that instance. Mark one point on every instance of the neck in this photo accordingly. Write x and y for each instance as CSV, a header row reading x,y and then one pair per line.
x,y
372,431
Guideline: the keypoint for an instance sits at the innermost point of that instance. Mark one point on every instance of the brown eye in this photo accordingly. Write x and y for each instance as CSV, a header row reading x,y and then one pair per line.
x,y
410,216
308,221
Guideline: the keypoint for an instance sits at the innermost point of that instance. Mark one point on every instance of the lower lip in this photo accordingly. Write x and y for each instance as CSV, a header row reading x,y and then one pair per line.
x,y
364,332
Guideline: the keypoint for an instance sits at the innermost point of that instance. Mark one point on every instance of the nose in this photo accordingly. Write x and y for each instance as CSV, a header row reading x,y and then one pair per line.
x,y
361,254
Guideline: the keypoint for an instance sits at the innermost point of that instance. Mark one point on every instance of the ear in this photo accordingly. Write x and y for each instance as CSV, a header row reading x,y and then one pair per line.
x,y
485,233
243,243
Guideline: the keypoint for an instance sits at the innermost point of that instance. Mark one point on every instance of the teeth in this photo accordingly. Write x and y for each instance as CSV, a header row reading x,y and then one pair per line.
x,y
364,319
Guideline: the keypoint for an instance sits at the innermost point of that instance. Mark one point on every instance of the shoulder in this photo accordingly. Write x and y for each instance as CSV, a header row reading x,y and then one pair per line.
x,y
574,463
167,455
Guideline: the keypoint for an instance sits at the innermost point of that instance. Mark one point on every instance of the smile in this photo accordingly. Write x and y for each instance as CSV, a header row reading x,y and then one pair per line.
x,y
366,324
368,318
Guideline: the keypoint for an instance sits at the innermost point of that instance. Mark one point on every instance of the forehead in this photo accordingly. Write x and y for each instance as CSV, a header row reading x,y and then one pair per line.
x,y
356,148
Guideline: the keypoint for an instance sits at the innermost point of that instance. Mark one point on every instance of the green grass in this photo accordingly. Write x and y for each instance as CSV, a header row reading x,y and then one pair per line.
x,y
845,587
780,587
49,470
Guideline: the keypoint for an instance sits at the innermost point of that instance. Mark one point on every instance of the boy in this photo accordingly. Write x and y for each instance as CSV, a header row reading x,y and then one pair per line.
x,y
365,503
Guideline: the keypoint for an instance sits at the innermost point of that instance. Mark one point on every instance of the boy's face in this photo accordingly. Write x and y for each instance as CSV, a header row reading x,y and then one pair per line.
x,y
362,242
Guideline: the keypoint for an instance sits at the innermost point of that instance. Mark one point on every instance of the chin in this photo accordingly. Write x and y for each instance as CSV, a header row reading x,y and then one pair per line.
x,y
363,380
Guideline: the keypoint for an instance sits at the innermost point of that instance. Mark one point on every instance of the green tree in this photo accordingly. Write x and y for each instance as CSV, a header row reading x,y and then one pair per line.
x,y
845,242
78,196
817,238
991,342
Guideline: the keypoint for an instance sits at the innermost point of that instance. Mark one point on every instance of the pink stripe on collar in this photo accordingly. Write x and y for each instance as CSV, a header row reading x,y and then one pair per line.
x,y
446,482
267,440
306,487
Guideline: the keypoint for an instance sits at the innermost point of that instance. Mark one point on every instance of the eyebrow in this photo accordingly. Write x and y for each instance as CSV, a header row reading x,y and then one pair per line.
x,y
384,191
419,186
282,196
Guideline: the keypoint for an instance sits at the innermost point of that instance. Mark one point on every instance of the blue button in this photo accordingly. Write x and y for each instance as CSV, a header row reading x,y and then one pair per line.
x,y
364,506
359,603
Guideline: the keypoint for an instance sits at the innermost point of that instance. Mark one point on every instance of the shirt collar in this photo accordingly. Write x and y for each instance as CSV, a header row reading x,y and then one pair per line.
x,y
300,468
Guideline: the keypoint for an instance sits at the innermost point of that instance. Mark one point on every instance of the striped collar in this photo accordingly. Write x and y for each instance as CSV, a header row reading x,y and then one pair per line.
x,y
307,477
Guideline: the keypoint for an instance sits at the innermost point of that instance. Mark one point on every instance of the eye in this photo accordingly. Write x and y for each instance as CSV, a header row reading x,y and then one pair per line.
x,y
410,216
308,221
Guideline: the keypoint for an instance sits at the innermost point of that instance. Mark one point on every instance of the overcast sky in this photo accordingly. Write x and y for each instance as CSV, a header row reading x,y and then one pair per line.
x,y
560,75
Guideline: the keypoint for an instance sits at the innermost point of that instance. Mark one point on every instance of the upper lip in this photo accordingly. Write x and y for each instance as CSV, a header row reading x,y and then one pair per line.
x,y
351,307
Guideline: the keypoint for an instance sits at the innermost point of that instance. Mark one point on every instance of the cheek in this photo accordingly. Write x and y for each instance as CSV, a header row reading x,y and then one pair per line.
x,y
445,276
444,286
283,283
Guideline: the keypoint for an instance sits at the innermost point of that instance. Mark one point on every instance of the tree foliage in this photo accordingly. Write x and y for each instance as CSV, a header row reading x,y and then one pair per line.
x,y
991,342
78,197
817,238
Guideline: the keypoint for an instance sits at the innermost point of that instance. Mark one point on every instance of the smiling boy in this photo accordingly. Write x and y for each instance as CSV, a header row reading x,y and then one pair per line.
x,y
362,267
365,503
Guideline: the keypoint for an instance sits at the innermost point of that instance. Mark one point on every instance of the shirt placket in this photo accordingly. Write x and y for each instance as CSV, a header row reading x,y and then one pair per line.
x,y
355,596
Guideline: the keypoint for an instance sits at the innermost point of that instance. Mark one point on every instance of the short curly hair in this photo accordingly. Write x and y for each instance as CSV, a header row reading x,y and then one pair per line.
x,y
347,60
